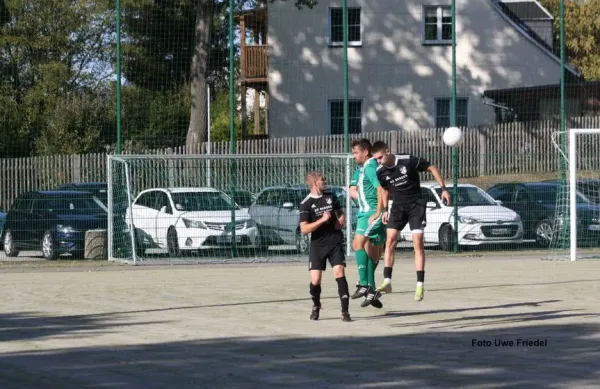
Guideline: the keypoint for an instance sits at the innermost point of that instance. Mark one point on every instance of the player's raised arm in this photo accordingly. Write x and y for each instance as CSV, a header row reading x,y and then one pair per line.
x,y
353,190
437,175
339,212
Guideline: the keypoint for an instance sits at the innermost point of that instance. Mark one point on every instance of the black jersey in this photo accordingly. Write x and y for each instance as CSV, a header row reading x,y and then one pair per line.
x,y
402,179
312,209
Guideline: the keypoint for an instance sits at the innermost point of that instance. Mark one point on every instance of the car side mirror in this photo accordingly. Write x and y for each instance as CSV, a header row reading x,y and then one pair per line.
x,y
431,204
288,205
499,202
163,209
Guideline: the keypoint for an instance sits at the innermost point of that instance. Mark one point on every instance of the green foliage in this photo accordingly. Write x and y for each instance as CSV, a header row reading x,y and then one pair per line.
x,y
582,33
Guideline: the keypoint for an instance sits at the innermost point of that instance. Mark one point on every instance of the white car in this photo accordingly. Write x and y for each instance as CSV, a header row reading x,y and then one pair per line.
x,y
481,219
184,219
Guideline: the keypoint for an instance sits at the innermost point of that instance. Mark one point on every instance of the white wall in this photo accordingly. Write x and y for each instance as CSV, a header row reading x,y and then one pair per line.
x,y
397,76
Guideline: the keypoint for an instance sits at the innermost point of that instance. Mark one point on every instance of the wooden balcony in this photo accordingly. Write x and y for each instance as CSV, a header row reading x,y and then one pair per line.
x,y
254,64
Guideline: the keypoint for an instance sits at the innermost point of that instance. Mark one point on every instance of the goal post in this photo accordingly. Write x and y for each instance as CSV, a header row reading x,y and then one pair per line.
x,y
583,194
179,207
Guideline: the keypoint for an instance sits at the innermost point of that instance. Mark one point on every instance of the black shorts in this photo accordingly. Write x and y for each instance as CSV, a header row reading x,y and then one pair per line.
x,y
318,256
413,214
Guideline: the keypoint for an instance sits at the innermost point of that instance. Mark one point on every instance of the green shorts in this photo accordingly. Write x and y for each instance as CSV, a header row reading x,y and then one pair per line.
x,y
374,231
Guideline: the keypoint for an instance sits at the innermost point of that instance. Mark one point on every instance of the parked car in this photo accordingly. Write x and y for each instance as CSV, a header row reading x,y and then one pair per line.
x,y
481,220
243,198
98,189
536,203
53,221
276,211
186,219
2,220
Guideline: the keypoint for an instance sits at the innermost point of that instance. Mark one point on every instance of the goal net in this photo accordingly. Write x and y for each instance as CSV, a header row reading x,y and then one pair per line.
x,y
206,207
576,228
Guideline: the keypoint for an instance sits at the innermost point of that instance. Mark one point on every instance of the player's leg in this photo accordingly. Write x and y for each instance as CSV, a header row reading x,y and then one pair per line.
x,y
316,265
417,223
374,249
337,259
396,224
362,258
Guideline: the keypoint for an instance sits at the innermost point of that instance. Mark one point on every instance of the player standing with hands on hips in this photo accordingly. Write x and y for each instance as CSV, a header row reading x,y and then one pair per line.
x,y
399,174
321,216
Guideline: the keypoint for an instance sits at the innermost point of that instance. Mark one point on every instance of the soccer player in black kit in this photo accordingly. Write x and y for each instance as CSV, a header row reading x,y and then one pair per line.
x,y
321,216
399,174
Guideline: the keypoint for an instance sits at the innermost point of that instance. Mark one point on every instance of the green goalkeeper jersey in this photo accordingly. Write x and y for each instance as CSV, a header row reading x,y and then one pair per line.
x,y
365,179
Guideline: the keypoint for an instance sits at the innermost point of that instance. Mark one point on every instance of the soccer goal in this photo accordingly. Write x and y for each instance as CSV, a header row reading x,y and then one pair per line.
x,y
214,207
577,225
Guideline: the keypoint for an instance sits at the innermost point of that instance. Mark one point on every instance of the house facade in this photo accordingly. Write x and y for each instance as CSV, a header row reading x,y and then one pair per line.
x,y
399,63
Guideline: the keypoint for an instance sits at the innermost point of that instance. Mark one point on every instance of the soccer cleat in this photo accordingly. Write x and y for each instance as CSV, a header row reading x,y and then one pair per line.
x,y
361,291
346,316
372,296
376,302
314,315
419,293
386,287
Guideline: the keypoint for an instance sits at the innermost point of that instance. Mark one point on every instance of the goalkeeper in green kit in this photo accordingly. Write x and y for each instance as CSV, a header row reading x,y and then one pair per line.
x,y
370,230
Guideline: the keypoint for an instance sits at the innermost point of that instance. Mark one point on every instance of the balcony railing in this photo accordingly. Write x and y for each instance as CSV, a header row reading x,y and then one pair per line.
x,y
255,62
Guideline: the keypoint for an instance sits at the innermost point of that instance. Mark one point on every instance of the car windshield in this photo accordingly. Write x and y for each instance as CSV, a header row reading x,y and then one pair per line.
x,y
66,204
243,199
201,201
469,195
591,191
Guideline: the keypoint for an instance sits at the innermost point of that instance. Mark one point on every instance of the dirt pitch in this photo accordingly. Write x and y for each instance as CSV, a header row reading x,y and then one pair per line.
x,y
246,326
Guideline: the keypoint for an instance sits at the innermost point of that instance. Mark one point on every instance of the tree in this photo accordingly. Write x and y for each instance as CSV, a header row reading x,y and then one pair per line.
x,y
582,33
54,53
171,43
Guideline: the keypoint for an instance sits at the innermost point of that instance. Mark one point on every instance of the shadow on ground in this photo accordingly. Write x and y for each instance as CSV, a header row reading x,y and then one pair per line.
x,y
458,354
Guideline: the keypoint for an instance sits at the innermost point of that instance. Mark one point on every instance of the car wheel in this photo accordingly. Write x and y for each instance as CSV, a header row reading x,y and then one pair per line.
x,y
446,238
173,243
48,250
9,245
543,233
302,243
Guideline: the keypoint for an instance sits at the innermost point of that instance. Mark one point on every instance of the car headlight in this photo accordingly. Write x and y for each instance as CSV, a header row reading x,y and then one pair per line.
x,y
65,229
517,218
250,223
467,220
193,223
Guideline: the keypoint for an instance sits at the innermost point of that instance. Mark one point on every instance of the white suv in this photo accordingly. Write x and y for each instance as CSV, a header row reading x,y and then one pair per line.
x,y
187,219
276,212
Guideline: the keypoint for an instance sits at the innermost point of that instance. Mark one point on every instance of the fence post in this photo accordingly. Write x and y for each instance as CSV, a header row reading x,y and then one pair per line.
x,y
76,166
482,138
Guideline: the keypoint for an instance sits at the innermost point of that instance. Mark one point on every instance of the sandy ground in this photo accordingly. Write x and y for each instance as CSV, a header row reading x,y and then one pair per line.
x,y
246,326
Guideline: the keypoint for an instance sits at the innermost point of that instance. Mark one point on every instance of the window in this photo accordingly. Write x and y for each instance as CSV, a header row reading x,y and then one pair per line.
x,y
437,25
442,112
201,201
336,116
336,36
148,199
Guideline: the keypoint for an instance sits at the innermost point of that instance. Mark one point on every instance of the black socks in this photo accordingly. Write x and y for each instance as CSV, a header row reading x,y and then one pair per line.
x,y
315,294
343,292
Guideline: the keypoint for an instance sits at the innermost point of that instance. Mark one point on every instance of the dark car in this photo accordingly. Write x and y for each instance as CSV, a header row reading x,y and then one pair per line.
x,y
536,204
53,221
98,189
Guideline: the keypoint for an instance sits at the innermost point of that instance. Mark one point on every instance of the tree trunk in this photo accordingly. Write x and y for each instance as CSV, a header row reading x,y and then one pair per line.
x,y
198,72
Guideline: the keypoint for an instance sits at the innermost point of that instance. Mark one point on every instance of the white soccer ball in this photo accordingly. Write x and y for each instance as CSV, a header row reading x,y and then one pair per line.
x,y
453,136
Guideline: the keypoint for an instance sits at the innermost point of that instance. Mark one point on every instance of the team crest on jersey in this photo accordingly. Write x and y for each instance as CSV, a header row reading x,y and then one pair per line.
x,y
403,169
329,201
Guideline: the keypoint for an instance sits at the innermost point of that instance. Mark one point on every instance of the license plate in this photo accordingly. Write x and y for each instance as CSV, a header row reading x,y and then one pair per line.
x,y
500,231
229,239
594,227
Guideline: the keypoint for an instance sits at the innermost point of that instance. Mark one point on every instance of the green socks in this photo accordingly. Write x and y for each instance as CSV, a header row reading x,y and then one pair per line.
x,y
371,266
362,263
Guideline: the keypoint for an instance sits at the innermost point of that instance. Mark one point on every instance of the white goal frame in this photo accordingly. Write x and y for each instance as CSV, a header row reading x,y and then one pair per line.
x,y
112,159
572,161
